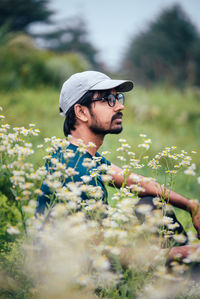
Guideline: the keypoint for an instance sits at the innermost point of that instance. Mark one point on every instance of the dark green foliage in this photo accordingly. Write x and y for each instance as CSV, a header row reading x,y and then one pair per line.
x,y
9,216
22,65
5,186
14,279
4,35
166,51
71,36
18,14
130,286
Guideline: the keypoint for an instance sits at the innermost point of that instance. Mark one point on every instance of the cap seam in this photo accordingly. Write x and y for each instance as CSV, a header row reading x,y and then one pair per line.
x,y
98,82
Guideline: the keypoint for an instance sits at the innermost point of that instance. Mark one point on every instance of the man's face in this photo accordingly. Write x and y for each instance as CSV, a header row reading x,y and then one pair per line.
x,y
105,119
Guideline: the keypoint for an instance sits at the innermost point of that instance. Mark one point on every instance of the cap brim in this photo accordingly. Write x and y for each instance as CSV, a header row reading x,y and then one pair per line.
x,y
120,85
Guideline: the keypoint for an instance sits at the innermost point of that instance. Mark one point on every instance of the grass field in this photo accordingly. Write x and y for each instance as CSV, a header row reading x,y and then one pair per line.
x,y
168,117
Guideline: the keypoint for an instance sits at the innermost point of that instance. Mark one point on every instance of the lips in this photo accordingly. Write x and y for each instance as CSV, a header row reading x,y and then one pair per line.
x,y
118,120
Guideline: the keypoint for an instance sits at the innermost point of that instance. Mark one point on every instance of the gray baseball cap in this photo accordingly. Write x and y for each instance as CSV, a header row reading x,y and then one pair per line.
x,y
78,84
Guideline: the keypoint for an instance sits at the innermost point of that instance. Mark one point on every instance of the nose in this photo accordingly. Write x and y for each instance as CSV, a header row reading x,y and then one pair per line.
x,y
118,106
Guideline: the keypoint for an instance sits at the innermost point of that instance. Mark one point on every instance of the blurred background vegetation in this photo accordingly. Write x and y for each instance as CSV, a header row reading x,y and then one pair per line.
x,y
166,52
163,61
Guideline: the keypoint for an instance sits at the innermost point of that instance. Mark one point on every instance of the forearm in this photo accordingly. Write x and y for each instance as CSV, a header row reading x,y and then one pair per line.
x,y
175,199
155,189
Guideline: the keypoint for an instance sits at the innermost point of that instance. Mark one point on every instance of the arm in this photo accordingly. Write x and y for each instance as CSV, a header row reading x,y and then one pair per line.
x,y
155,189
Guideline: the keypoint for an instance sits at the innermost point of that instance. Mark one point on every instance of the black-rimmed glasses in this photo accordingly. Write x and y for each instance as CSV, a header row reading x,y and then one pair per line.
x,y
111,99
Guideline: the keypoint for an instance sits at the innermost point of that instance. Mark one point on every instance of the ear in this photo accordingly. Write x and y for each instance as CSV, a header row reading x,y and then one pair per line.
x,y
81,112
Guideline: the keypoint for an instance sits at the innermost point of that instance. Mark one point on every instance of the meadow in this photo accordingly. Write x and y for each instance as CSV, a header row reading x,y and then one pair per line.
x,y
168,116
128,262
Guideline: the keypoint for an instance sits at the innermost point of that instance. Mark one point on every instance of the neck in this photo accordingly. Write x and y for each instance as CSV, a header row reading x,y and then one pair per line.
x,y
87,136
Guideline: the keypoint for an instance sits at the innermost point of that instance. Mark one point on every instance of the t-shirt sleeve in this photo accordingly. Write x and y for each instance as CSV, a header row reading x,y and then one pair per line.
x,y
104,160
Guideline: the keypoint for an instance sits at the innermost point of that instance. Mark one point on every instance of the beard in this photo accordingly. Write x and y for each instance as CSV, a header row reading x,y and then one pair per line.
x,y
100,130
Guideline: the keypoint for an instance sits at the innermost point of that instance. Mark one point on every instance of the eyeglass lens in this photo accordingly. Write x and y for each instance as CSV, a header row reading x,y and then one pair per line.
x,y
112,99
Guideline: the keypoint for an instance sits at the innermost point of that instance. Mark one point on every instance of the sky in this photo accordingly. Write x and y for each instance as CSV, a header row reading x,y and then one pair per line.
x,y
111,24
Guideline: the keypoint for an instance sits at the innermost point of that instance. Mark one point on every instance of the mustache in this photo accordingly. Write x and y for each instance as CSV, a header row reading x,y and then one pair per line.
x,y
117,115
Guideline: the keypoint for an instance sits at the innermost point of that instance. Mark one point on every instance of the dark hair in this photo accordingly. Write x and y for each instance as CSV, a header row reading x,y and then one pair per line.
x,y
70,117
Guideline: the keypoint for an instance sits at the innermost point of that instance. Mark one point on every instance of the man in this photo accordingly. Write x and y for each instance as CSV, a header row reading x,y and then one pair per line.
x,y
92,104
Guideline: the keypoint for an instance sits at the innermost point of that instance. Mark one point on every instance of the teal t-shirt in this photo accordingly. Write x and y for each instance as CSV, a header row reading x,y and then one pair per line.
x,y
76,162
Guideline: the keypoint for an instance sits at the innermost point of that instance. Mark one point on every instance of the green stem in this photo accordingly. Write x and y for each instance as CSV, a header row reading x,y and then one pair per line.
x,y
22,216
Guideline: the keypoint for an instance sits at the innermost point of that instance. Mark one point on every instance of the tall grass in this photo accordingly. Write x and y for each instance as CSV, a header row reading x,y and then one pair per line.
x,y
167,116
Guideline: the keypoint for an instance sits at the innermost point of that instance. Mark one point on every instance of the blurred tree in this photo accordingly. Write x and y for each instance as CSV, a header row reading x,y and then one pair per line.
x,y
71,36
4,36
18,14
167,51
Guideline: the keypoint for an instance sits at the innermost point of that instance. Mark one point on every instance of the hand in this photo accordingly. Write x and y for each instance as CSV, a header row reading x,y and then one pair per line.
x,y
180,252
194,207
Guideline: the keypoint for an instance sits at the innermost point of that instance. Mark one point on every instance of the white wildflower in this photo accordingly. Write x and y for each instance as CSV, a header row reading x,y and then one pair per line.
x,y
40,145
86,178
143,135
144,209
13,230
106,178
91,145
122,140
101,263
145,145
136,178
179,238
89,163
167,220
104,153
